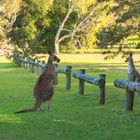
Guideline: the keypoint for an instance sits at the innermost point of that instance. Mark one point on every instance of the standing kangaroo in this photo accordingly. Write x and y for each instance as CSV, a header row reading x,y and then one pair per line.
x,y
131,68
44,87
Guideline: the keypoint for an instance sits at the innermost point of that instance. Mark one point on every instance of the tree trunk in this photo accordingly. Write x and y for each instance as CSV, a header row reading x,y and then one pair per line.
x,y
58,39
57,48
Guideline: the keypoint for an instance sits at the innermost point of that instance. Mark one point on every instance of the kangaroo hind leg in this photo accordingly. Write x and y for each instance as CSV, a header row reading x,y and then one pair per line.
x,y
37,105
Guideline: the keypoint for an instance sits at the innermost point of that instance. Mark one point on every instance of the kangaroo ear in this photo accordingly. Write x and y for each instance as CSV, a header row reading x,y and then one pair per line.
x,y
49,52
130,54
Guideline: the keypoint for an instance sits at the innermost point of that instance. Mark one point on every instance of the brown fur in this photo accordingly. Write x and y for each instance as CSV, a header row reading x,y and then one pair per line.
x,y
131,68
44,87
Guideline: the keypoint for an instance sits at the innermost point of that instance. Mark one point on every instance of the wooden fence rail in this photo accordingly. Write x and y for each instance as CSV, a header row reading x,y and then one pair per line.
x,y
131,87
100,82
37,67
125,84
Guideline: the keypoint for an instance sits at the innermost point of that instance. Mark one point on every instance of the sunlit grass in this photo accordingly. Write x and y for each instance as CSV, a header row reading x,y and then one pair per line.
x,y
73,117
10,118
90,58
4,59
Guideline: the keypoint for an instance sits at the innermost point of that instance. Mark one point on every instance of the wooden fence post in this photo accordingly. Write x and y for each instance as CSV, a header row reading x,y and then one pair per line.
x,y
81,83
18,61
42,68
22,62
28,64
68,77
102,90
24,66
33,65
129,95
38,67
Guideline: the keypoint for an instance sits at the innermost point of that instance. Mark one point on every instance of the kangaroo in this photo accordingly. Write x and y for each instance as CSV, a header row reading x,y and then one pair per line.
x,y
131,68
44,87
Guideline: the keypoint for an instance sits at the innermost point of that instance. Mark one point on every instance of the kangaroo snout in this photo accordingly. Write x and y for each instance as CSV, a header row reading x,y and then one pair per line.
x,y
129,58
126,60
56,59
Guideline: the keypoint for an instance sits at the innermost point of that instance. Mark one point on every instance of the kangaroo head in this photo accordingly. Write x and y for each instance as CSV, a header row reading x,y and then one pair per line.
x,y
52,58
130,58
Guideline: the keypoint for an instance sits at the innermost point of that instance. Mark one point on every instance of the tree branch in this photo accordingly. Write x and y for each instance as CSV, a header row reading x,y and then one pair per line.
x,y
83,21
64,37
63,23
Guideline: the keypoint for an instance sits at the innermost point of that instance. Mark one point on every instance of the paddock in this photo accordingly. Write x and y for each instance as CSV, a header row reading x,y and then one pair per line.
x,y
72,116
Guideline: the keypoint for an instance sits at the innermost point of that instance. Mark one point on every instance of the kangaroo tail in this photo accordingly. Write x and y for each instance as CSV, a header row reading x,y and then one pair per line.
x,y
25,111
34,109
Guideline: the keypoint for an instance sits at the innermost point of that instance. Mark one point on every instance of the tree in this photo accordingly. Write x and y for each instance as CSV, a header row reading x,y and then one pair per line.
x,y
126,23
8,14
31,25
72,6
83,23
86,12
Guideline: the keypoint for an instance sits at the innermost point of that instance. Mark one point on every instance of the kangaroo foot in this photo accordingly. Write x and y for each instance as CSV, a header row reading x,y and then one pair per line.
x,y
39,109
48,110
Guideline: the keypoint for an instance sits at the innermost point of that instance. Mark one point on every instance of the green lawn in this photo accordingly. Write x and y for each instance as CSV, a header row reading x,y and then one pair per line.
x,y
73,117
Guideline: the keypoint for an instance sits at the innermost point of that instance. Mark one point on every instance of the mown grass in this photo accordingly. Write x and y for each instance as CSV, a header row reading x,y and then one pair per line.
x,y
73,117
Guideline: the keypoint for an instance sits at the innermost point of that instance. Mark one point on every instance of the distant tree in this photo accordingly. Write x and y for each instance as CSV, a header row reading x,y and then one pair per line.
x,y
56,24
8,14
126,23
88,14
31,24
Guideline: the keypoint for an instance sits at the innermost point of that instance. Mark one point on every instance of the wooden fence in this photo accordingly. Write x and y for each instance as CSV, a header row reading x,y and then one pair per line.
x,y
131,87
37,67
100,82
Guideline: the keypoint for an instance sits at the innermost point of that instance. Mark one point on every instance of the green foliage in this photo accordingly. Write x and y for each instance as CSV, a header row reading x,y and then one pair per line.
x,y
57,13
8,11
111,23
102,18
126,23
25,52
31,24
81,6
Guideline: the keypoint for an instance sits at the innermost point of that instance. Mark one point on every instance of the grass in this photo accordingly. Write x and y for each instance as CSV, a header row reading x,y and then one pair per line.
x,y
73,117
